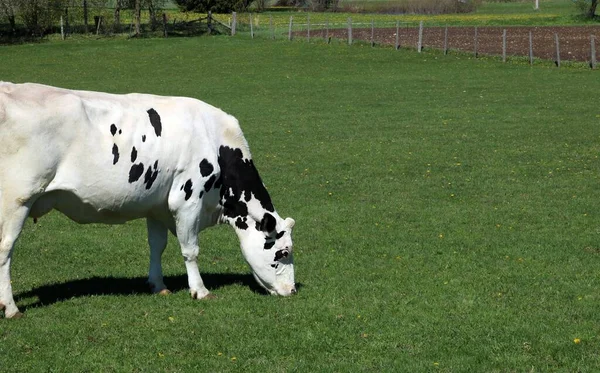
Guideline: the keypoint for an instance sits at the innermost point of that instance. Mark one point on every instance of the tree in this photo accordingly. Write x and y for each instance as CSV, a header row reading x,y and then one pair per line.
x,y
587,7
215,6
7,9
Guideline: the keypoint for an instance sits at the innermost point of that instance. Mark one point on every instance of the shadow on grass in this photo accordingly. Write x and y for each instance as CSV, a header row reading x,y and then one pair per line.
x,y
54,293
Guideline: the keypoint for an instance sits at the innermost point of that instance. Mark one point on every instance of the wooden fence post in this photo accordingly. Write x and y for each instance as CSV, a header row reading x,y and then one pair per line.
x,y
476,42
372,33
62,29
504,45
397,35
420,43
251,27
349,31
327,39
290,28
164,19
308,27
209,23
271,26
557,61
593,50
530,48
446,40
98,26
233,23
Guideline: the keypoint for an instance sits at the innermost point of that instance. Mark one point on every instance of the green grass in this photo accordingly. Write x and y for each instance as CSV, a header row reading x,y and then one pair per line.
x,y
447,218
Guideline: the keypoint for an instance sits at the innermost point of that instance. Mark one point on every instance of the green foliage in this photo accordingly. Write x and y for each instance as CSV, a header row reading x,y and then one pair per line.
x,y
586,7
447,218
215,6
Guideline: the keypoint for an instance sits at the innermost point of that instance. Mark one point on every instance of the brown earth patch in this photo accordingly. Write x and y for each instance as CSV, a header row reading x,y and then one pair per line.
x,y
575,41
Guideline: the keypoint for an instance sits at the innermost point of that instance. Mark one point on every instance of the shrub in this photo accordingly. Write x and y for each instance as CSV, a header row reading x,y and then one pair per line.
x,y
216,6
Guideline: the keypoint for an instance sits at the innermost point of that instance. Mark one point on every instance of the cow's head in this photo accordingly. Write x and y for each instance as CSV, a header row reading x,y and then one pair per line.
x,y
267,247
265,238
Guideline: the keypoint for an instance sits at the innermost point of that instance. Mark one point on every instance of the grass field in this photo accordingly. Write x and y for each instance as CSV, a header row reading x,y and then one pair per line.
x,y
447,217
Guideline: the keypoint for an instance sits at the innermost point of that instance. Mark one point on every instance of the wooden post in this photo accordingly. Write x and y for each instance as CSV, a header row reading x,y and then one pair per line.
x,y
164,19
308,27
271,26
62,29
420,44
233,23
290,28
98,27
557,62
530,48
251,27
209,23
327,38
446,40
349,31
397,46
593,50
137,17
475,42
372,33
504,45
537,5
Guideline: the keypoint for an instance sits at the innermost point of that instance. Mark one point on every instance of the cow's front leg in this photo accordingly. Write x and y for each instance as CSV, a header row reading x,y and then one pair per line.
x,y
187,234
12,219
157,239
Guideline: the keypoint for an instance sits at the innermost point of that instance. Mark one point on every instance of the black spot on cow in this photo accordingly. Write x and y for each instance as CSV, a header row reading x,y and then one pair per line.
x,y
239,176
187,188
135,172
268,223
269,244
151,175
120,131
143,138
155,121
115,153
113,129
133,154
209,183
276,265
279,235
241,222
281,254
206,168
201,194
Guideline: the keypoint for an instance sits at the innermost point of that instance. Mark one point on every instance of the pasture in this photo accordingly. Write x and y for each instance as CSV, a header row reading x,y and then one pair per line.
x,y
447,218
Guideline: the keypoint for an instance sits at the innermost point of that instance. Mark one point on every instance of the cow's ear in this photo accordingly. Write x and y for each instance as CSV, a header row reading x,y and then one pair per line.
x,y
289,222
268,223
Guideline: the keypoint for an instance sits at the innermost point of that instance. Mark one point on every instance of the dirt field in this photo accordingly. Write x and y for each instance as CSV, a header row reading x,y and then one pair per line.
x,y
574,41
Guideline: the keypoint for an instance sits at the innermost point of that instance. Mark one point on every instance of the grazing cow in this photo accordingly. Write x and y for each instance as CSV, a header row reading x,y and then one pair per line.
x,y
103,158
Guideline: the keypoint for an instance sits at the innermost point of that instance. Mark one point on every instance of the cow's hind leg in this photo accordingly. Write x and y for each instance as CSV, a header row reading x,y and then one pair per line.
x,y
157,239
12,218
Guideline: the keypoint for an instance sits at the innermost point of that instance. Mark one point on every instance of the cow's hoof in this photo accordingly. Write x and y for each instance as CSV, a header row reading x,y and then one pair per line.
x,y
201,295
164,292
16,315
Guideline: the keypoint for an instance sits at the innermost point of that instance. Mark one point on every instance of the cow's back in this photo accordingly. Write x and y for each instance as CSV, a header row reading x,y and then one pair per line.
x,y
118,155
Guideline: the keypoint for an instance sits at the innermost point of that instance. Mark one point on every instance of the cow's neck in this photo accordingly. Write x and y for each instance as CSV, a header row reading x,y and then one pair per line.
x,y
244,198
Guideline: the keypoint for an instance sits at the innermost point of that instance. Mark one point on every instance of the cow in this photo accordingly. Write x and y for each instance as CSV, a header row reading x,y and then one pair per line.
x,y
178,162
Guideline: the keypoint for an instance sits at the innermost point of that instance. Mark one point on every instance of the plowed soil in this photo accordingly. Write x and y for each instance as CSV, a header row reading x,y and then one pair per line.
x,y
574,41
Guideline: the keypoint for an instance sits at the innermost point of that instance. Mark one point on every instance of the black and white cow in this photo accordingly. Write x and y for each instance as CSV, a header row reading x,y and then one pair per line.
x,y
103,158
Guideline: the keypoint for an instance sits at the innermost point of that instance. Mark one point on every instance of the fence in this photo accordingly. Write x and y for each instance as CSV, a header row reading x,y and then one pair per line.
x,y
556,44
